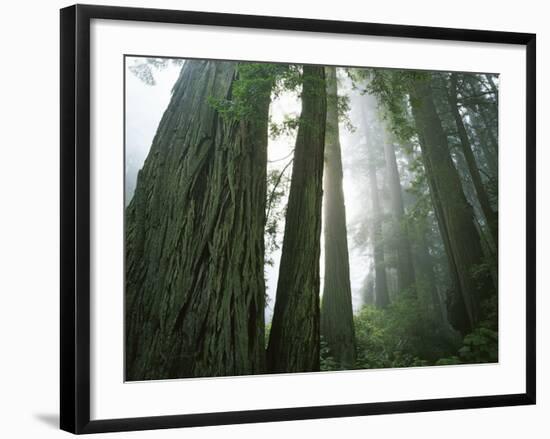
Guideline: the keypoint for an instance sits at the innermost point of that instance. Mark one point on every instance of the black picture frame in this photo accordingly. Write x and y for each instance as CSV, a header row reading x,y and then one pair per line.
x,y
75,217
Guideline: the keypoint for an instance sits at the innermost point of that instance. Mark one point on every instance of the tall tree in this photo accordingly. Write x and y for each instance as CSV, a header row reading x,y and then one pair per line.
x,y
194,225
456,308
490,215
382,298
336,310
367,288
294,338
405,268
454,213
381,294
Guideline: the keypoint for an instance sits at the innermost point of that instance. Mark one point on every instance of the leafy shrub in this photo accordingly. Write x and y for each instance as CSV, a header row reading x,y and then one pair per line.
x,y
409,334
327,361
481,345
406,334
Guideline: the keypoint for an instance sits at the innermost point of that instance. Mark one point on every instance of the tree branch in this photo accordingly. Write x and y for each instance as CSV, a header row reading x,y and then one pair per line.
x,y
272,194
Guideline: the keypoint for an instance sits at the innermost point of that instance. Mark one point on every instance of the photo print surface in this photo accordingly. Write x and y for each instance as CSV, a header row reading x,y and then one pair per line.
x,y
305,218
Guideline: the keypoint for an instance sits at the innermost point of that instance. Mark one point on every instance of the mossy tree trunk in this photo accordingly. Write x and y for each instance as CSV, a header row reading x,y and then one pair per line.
x,y
195,237
294,337
336,310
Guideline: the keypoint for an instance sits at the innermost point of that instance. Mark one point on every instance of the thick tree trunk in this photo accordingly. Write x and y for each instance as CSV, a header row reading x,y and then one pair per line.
x,y
490,215
294,340
336,311
455,214
405,268
195,237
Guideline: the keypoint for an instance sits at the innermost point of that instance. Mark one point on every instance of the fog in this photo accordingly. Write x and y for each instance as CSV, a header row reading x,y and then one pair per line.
x,y
144,107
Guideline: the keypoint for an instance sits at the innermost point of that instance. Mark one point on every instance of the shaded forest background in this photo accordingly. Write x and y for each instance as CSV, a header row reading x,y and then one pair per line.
x,y
294,218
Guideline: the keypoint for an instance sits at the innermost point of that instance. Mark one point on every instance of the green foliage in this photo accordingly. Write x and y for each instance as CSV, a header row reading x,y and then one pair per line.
x,y
409,334
344,108
278,183
287,127
392,87
327,361
481,345
406,334
255,81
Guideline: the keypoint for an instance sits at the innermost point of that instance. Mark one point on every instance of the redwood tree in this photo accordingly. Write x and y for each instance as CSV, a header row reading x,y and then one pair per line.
x,y
294,338
194,303
454,213
405,268
381,294
336,311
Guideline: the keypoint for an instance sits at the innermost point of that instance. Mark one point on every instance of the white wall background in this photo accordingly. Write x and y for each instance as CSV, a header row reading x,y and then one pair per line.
x,y
29,249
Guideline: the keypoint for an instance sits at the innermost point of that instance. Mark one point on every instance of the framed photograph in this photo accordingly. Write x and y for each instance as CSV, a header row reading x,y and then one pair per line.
x,y
268,218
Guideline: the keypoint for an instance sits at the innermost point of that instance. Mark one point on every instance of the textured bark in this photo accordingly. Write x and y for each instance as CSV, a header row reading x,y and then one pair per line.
x,y
336,311
490,215
195,239
294,338
455,215
405,268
